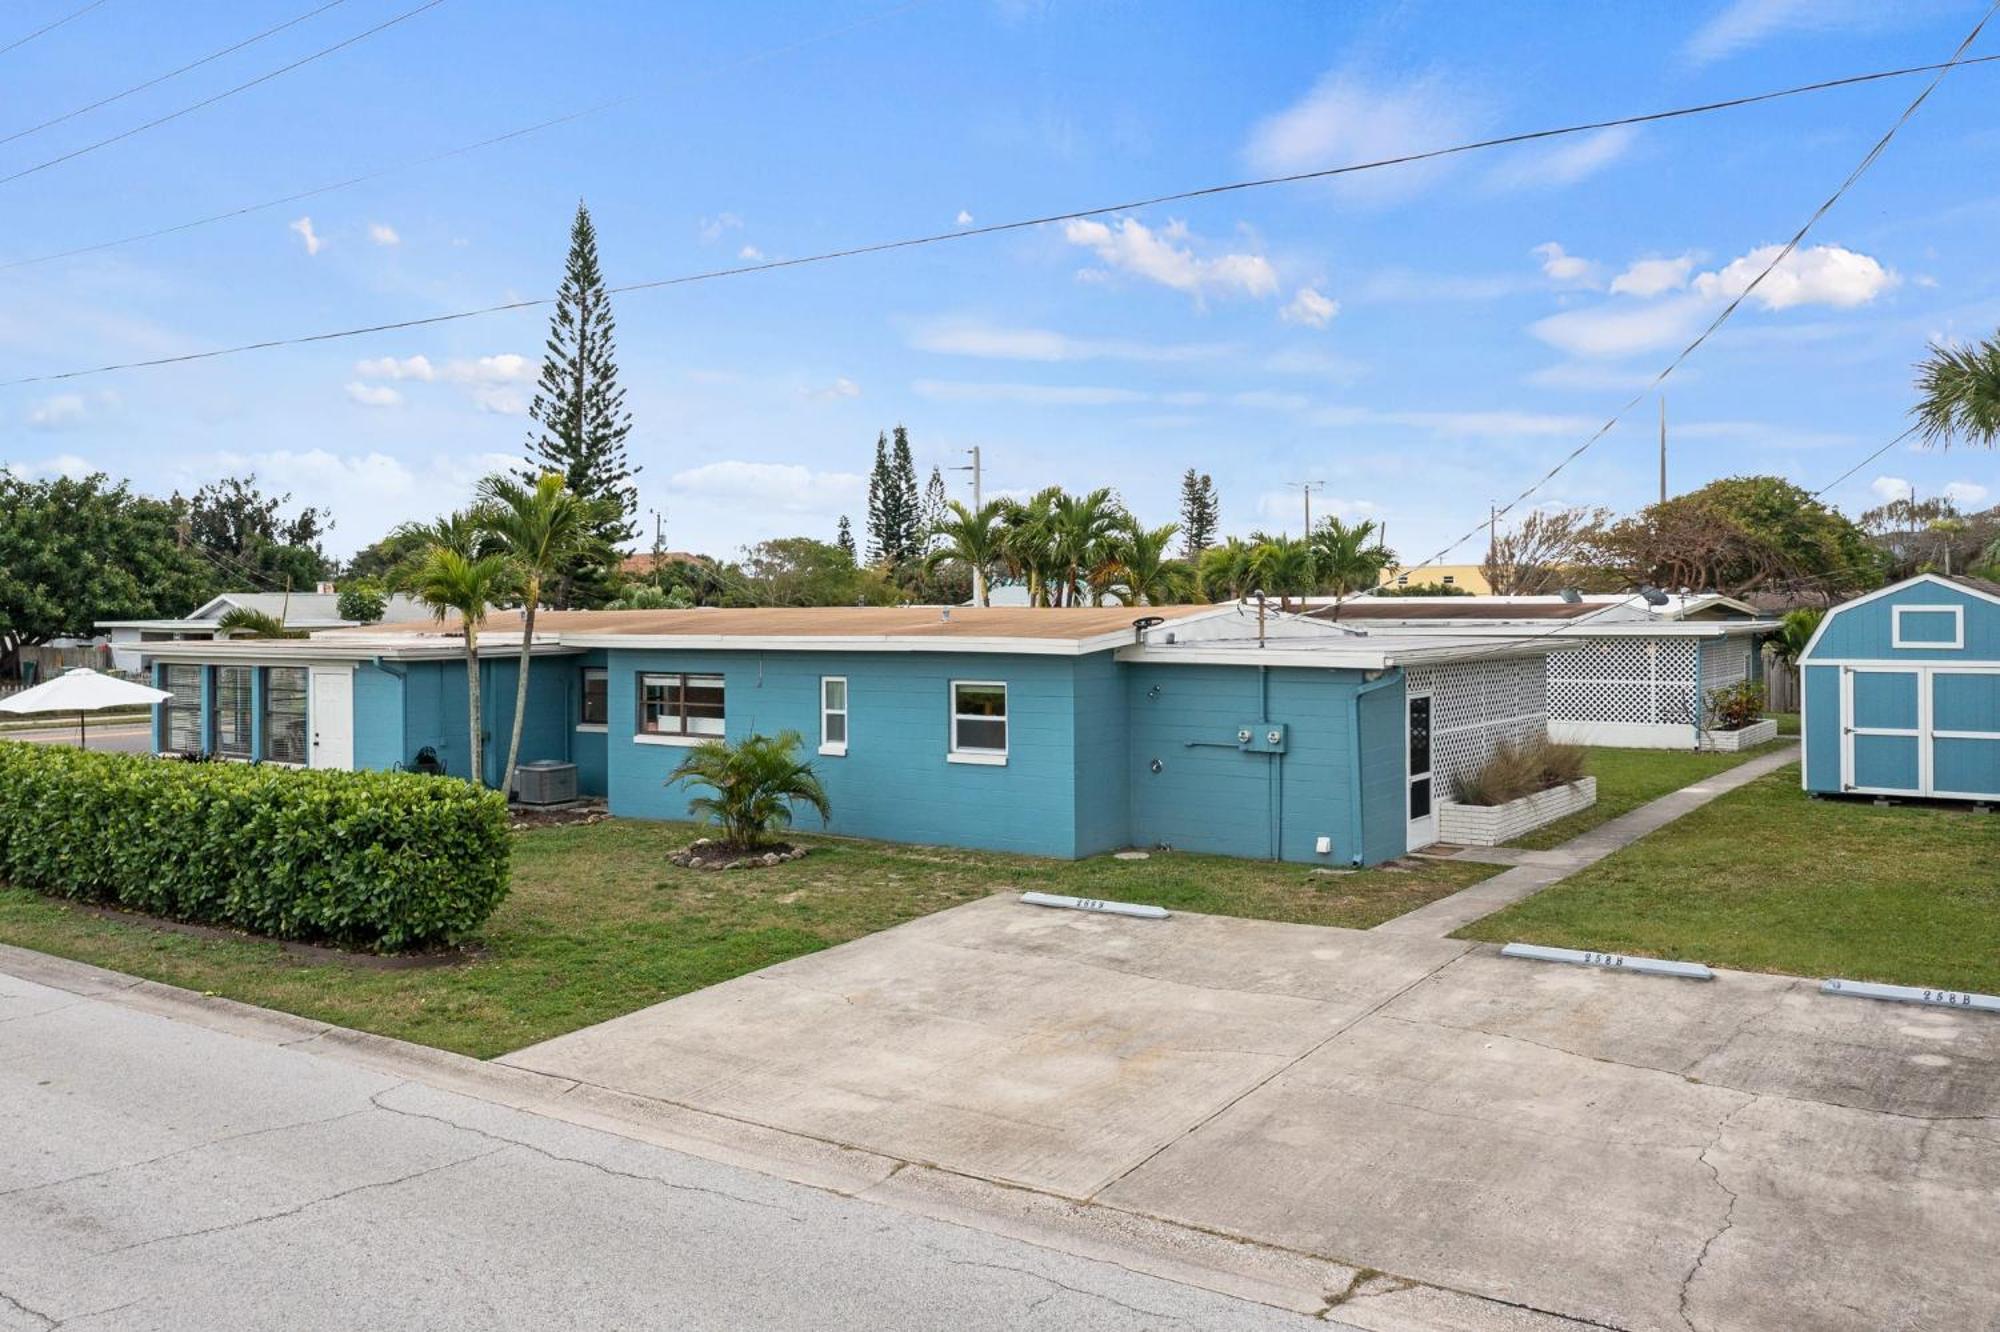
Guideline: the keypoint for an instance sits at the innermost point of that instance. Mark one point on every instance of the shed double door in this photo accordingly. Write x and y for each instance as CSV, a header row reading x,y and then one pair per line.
x,y
1920,731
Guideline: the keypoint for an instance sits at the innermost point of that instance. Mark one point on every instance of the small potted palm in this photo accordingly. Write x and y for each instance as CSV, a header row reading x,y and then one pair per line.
x,y
756,782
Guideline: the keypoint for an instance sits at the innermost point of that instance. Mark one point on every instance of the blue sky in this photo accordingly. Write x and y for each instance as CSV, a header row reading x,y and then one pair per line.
x,y
1423,340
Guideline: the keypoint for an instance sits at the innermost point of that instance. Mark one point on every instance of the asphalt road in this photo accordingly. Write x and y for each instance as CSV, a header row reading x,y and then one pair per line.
x,y
119,737
156,1174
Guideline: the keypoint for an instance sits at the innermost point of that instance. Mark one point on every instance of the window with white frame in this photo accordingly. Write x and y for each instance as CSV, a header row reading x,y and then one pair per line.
x,y
1927,627
595,708
978,721
182,732
233,735
833,714
285,714
680,705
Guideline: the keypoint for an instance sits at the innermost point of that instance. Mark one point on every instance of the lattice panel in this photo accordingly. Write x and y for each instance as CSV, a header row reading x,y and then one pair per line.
x,y
1623,680
1474,706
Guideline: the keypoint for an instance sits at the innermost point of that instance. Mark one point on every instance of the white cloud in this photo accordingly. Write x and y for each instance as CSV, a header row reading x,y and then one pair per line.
x,y
64,411
964,219
383,234
1653,277
1622,330
304,226
1565,163
504,368
1345,120
1744,23
750,253
1965,494
1285,509
1313,362
1310,309
1594,378
711,228
969,337
388,367
1167,257
1043,395
374,395
62,464
841,387
780,487
1817,275
1889,488
1561,266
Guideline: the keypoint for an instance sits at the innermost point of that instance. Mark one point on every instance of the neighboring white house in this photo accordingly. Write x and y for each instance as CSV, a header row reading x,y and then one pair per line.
x,y
1631,672
298,610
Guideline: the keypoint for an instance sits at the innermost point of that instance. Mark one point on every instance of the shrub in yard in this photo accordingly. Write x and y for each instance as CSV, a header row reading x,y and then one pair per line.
x,y
1522,768
756,781
1736,706
376,860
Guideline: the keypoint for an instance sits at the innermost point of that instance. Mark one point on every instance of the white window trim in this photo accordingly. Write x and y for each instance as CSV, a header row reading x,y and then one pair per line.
x,y
988,757
604,673
593,728
683,738
831,748
672,741
1896,639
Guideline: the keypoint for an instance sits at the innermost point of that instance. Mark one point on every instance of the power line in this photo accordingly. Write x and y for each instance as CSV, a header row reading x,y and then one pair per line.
x,y
1785,252
320,54
315,191
170,74
50,27
1865,461
1021,224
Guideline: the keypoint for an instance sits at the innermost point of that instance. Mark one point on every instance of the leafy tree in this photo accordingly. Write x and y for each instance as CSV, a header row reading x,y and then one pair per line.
x,y
932,511
1142,571
756,782
1348,559
844,536
1959,394
1795,631
1547,551
909,533
1423,590
646,596
542,530
799,571
1201,513
1741,533
1227,572
1084,526
361,600
1028,542
451,583
884,507
240,527
974,538
579,413
238,622
1284,567
74,552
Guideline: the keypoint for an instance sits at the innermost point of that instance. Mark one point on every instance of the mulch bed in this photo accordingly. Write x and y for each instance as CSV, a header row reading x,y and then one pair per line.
x,y
708,854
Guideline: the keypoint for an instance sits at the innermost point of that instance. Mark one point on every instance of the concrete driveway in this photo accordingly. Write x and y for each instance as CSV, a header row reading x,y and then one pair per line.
x,y
1629,1151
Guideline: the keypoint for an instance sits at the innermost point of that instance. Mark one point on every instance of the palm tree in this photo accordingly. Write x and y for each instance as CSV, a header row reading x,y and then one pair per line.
x,y
1083,526
449,581
1960,394
1142,572
1284,565
756,782
1344,561
541,530
240,623
463,531
1225,571
1794,632
1028,542
974,537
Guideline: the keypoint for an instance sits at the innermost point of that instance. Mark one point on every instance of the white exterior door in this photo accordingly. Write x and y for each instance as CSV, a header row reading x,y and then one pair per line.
x,y
332,717
1422,793
1920,730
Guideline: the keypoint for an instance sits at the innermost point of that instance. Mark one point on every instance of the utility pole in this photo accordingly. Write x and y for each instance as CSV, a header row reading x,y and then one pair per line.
x,y
1306,489
1663,448
978,478
1492,535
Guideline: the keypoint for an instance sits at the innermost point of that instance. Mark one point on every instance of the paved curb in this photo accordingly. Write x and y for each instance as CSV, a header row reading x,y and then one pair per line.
x,y
1305,1283
1437,920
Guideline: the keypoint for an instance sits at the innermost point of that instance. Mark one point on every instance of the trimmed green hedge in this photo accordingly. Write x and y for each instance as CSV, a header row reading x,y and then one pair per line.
x,y
379,860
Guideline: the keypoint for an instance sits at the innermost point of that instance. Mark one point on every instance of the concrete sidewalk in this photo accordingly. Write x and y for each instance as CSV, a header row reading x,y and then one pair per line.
x,y
1535,870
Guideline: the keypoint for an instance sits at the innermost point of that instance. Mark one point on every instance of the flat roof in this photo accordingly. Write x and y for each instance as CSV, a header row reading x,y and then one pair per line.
x,y
1452,608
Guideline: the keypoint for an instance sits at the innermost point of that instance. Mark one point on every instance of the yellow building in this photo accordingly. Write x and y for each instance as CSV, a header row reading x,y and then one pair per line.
x,y
1464,576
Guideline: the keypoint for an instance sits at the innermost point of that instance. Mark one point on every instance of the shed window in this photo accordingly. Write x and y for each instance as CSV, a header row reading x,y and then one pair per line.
x,y
979,719
680,705
182,732
233,735
596,707
833,714
1928,627
285,714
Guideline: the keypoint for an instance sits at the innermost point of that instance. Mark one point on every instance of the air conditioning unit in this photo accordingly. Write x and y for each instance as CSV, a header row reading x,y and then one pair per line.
x,y
545,782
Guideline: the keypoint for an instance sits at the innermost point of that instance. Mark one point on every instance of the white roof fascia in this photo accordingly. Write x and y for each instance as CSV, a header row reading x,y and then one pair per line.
x,y
1880,592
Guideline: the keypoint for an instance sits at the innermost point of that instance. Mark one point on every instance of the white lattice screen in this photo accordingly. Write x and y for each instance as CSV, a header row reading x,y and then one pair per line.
x,y
1624,680
1474,706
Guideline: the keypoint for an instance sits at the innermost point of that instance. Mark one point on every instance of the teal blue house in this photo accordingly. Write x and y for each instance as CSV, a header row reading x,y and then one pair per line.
x,y
1901,693
1062,733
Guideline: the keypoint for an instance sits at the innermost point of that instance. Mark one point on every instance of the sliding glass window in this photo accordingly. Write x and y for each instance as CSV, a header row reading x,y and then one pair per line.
x,y
285,714
182,732
233,712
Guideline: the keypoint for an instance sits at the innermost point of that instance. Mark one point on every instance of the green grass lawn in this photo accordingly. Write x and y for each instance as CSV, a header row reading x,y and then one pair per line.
x,y
1764,879
1628,778
1788,722
598,924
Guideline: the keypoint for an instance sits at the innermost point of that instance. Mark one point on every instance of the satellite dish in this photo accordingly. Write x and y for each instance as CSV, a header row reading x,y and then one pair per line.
x,y
1570,596
1653,595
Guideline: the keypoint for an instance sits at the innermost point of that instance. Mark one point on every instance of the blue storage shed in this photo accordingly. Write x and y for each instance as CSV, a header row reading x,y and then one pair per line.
x,y
1901,693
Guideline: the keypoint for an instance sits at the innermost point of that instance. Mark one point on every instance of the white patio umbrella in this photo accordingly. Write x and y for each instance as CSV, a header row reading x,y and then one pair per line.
x,y
82,690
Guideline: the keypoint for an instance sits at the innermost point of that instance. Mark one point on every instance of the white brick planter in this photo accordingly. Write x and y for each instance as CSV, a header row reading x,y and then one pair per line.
x,y
1756,733
1491,825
